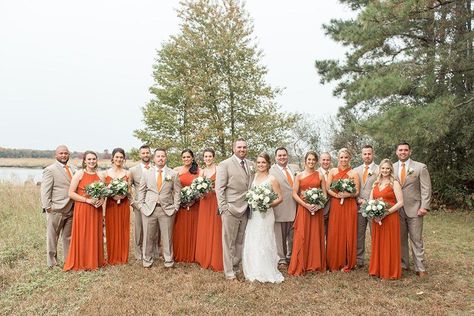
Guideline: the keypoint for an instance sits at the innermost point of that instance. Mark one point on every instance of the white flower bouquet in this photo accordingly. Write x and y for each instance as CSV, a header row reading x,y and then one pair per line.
x,y
314,196
117,187
260,197
187,196
201,185
374,209
344,185
96,190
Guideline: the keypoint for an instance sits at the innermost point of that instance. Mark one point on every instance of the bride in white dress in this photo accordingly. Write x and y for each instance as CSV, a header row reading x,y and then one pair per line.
x,y
260,258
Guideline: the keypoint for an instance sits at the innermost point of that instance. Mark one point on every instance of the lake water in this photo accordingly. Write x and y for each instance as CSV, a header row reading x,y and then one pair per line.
x,y
20,175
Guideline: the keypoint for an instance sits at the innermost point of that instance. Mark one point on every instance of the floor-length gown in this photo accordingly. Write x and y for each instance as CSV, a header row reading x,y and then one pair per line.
x,y
260,257
342,231
385,259
185,226
209,233
86,251
308,240
117,228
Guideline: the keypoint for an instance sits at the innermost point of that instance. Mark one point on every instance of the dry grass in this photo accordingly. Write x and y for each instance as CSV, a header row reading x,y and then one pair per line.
x,y
28,287
43,162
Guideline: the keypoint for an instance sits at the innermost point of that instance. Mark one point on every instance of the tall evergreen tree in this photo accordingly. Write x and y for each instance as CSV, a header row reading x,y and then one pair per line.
x,y
409,75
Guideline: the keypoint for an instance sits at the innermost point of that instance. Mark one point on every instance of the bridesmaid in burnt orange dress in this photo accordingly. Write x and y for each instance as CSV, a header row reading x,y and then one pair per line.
x,y
209,227
185,225
86,251
117,213
342,226
308,252
385,259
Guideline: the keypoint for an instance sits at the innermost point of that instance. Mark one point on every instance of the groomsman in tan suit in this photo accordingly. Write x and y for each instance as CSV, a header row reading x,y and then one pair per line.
x,y
136,172
416,188
234,178
158,200
285,212
367,173
57,204
325,167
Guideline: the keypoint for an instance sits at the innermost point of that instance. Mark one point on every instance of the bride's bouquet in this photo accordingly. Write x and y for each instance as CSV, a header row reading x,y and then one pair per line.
x,y
260,197
201,185
344,185
315,196
96,190
117,187
374,208
187,196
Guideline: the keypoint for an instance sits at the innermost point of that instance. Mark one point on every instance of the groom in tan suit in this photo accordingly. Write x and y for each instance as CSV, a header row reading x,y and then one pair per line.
x,y
57,205
367,173
285,212
158,200
234,177
416,187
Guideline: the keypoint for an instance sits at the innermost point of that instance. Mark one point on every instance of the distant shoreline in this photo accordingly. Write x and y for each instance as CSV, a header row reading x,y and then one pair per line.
x,y
40,163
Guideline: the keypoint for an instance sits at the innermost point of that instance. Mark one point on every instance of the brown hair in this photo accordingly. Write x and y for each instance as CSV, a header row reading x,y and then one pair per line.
x,y
265,156
87,152
311,152
391,176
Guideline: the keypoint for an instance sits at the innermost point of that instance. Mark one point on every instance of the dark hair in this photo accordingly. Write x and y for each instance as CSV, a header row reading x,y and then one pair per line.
x,y
368,147
159,149
194,166
209,150
144,147
281,148
265,156
240,139
117,150
403,143
87,152
311,152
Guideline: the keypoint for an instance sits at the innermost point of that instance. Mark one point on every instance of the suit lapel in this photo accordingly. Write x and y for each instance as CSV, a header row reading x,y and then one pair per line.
x,y
239,167
63,172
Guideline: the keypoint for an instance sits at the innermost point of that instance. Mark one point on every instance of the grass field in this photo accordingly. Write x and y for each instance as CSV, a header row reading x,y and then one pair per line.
x,y
27,287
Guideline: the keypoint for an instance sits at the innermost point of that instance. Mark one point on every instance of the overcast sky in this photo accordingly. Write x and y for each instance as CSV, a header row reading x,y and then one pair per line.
x,y
78,73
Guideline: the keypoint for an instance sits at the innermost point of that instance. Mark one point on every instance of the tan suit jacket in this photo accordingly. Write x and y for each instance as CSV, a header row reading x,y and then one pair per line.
x,y
168,196
136,173
232,184
55,188
366,188
286,210
416,189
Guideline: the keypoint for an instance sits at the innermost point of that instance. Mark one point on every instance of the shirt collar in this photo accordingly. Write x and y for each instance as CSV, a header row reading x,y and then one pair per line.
x,y
371,165
238,159
407,163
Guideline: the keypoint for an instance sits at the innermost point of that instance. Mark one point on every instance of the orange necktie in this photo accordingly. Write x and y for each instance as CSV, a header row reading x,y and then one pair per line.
x,y
288,177
69,174
364,176
403,174
159,181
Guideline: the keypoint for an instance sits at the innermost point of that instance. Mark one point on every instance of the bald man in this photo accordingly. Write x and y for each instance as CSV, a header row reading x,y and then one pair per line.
x,y
57,205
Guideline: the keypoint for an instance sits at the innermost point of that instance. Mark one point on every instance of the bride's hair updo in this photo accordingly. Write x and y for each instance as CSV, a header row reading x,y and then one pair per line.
x,y
265,156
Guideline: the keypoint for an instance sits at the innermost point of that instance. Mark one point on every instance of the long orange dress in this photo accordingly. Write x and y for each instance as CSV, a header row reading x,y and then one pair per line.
x,y
117,228
342,231
86,251
209,233
308,252
185,227
385,259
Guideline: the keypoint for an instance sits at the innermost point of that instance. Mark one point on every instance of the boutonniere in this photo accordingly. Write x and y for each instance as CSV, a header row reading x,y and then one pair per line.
x,y
251,169
370,173
295,174
410,171
168,178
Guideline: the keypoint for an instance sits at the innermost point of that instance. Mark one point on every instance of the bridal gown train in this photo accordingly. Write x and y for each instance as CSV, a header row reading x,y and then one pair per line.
x,y
260,258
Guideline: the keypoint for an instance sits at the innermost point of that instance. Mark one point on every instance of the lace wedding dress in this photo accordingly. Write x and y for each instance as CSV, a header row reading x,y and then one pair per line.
x,y
260,258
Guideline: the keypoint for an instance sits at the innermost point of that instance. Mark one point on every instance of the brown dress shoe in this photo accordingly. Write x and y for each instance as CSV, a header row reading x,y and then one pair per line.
x,y
421,274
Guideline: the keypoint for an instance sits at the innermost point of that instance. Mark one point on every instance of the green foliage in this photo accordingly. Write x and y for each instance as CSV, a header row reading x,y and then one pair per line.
x,y
409,76
210,85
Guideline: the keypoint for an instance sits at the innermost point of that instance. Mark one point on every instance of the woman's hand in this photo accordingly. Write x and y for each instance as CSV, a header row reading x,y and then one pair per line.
x,y
378,220
99,203
119,197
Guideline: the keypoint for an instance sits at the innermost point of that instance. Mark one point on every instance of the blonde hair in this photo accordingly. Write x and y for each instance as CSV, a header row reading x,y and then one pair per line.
x,y
391,175
344,151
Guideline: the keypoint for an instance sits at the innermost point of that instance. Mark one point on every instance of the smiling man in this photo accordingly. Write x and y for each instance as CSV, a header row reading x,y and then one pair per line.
x,y
57,205
285,212
416,187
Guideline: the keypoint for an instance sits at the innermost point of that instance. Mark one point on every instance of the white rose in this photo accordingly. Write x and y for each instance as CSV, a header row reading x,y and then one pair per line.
x,y
379,207
200,179
266,191
374,208
266,199
344,185
314,196
368,208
